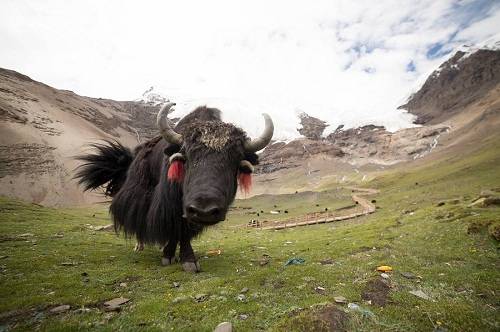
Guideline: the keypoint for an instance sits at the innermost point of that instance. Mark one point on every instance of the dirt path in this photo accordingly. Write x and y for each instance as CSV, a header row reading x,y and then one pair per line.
x,y
321,218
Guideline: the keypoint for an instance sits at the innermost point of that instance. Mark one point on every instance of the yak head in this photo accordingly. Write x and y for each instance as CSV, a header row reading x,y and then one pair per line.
x,y
210,159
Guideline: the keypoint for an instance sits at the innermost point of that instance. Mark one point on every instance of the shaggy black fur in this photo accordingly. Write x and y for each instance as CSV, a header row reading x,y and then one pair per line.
x,y
145,203
109,165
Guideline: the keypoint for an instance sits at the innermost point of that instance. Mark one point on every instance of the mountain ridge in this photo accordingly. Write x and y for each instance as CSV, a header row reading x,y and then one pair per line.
x,y
43,128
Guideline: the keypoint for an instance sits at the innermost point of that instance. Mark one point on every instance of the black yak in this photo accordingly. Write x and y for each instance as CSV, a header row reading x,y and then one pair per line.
x,y
173,186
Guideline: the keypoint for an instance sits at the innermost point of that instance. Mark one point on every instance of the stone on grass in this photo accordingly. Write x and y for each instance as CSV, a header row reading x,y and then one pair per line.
x,y
68,263
327,261
420,294
320,290
340,299
114,304
408,275
224,327
60,309
200,297
116,301
244,290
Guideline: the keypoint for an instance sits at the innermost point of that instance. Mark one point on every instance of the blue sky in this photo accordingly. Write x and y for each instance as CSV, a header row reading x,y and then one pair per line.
x,y
347,62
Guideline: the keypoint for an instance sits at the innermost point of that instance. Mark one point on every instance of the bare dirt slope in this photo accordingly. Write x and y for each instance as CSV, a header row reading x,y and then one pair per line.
x,y
42,128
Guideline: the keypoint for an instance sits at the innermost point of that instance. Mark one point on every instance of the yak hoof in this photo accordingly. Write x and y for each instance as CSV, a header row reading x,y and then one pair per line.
x,y
191,267
167,261
139,247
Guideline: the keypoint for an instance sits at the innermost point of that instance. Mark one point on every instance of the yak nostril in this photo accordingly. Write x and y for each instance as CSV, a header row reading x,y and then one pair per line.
x,y
213,211
192,210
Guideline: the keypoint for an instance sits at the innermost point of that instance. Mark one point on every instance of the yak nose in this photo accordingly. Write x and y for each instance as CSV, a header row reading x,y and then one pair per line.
x,y
204,213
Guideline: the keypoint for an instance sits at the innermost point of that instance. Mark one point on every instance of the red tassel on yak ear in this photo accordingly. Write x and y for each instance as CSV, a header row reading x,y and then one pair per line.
x,y
245,176
176,171
176,168
245,182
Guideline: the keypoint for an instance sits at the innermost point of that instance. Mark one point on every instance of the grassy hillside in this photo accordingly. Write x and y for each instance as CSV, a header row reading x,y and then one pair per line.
x,y
51,257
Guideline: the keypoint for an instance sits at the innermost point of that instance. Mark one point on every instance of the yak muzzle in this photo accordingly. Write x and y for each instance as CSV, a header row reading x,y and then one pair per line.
x,y
204,213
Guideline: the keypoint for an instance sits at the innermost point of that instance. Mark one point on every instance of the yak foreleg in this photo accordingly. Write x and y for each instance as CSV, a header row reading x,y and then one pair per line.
x,y
188,259
169,253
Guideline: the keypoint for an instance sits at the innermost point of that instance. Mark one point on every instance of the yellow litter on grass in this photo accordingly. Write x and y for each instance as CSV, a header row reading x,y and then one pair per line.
x,y
384,268
214,252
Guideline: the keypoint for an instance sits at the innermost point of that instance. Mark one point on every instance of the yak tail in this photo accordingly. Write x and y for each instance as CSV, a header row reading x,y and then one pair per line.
x,y
106,167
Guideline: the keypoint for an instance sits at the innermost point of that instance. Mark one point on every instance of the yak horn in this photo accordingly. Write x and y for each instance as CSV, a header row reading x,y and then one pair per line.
x,y
165,130
264,139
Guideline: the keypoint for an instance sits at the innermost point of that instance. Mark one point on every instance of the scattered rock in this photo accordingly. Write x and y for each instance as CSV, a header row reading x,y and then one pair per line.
x,y
123,284
200,297
241,298
176,284
485,202
320,290
384,275
264,261
244,290
109,227
116,302
69,263
60,309
112,308
420,294
376,291
82,310
327,261
224,327
243,316
340,299
26,235
408,275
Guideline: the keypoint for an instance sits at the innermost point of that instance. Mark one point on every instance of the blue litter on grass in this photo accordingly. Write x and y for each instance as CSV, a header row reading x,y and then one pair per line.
x,y
295,261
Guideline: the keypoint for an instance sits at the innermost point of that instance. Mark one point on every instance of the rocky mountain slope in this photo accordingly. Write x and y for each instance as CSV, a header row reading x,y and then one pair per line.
x,y
42,128
460,81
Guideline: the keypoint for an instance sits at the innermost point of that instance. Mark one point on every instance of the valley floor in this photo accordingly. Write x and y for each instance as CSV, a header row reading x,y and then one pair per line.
x,y
439,247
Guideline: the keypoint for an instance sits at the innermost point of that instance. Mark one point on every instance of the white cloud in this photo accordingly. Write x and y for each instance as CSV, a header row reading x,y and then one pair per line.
x,y
342,61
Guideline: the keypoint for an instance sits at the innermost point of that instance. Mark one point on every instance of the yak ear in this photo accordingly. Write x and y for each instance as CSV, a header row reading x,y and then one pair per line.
x,y
252,157
171,149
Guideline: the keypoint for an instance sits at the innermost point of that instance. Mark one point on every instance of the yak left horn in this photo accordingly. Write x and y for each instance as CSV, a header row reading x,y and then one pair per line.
x,y
264,139
165,130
